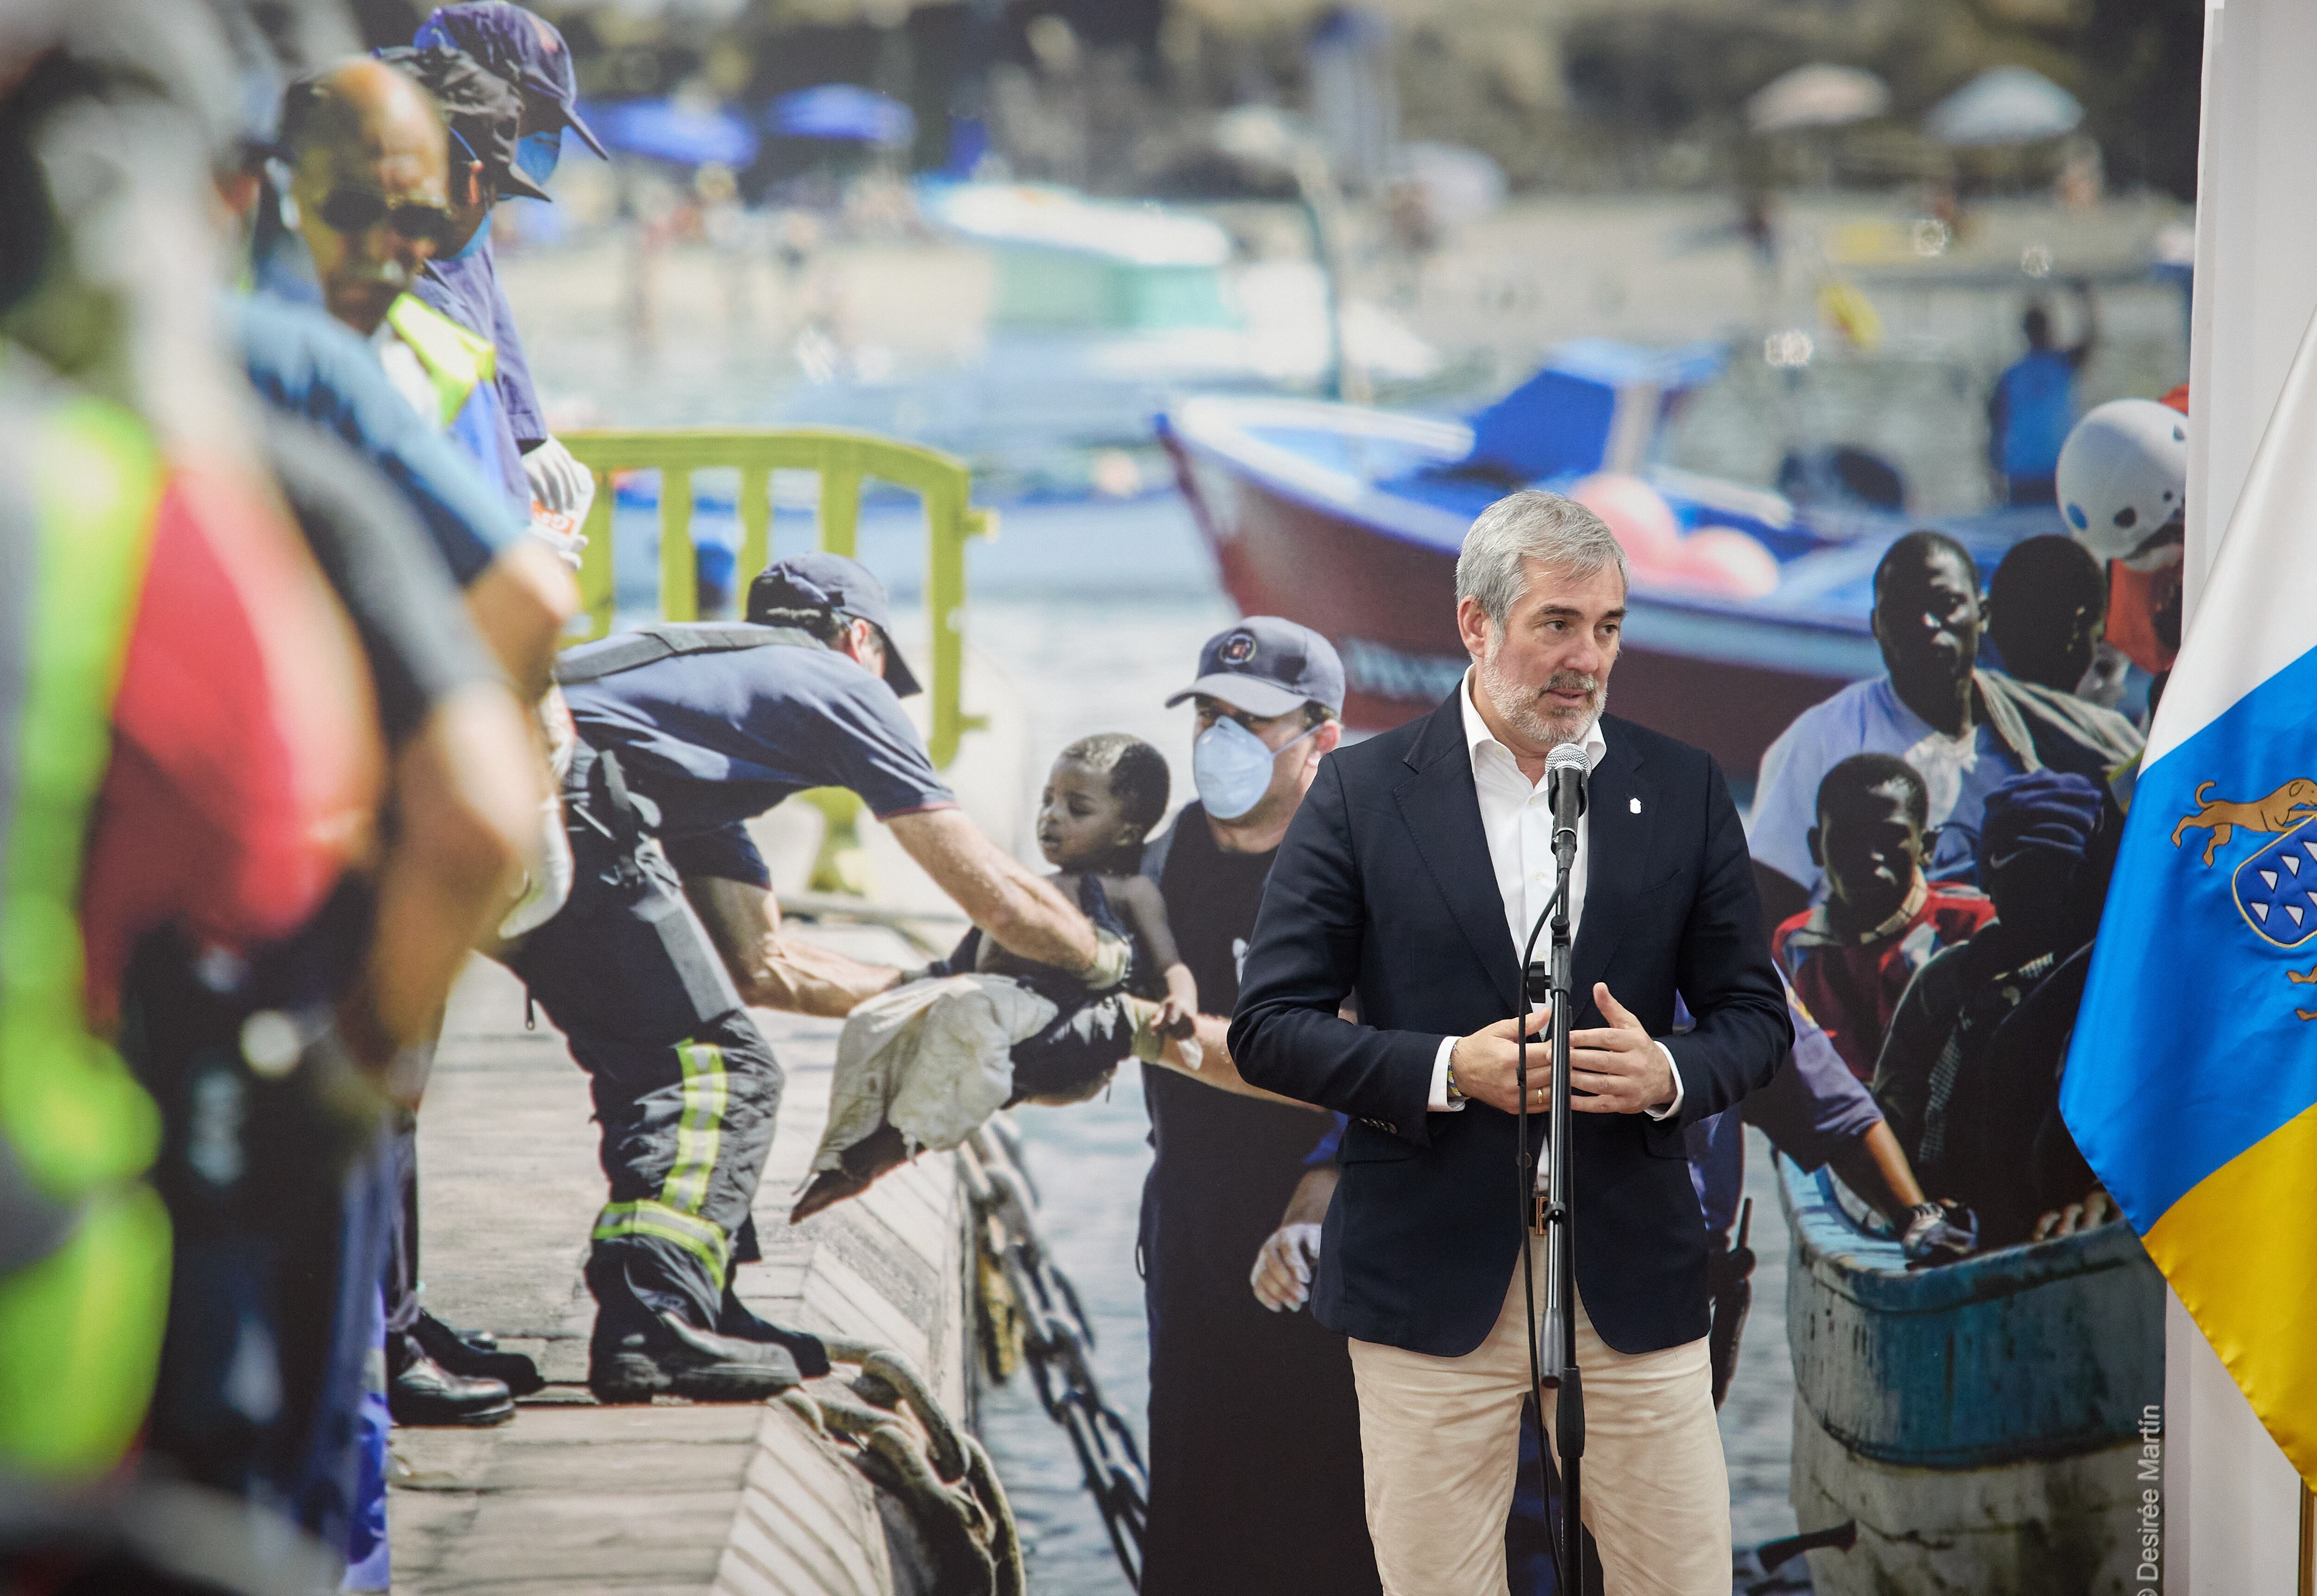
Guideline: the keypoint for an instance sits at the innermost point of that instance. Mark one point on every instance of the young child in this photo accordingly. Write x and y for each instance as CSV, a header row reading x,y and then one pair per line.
x,y
923,1064
1851,956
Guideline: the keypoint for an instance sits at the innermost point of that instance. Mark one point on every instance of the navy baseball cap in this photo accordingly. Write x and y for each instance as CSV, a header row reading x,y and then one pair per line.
x,y
482,109
522,48
824,581
1267,666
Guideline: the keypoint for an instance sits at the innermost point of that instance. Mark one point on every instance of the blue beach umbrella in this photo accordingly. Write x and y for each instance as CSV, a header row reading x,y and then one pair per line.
x,y
844,113
2004,105
683,135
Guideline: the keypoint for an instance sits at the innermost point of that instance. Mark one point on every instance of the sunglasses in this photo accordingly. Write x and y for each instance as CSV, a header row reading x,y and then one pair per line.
x,y
359,209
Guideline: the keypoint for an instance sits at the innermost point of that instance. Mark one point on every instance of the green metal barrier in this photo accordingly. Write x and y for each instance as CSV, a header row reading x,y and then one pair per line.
x,y
843,459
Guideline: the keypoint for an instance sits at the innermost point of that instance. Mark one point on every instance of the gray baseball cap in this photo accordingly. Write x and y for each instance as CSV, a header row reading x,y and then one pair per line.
x,y
1267,666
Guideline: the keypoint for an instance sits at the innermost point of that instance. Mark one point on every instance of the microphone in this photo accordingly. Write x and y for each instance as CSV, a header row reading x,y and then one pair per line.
x,y
1565,770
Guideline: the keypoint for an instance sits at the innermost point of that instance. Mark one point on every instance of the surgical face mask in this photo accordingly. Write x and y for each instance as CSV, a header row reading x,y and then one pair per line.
x,y
1232,768
536,154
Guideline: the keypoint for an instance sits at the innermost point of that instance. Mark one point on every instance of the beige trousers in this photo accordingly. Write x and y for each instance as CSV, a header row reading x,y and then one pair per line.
x,y
1440,1439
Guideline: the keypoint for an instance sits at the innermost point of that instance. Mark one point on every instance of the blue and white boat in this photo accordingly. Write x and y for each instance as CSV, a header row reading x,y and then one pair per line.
x,y
1349,519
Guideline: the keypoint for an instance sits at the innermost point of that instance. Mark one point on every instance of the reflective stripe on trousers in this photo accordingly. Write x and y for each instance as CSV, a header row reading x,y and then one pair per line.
x,y
675,1215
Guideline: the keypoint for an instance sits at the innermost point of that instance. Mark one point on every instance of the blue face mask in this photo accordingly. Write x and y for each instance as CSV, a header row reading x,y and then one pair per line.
x,y
536,155
474,246
1232,768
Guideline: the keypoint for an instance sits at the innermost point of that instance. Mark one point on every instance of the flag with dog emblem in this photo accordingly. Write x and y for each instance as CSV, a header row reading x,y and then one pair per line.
x,y
2191,1083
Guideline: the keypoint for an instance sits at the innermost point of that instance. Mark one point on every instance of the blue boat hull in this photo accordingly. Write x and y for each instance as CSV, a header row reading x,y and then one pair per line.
x,y
1985,1424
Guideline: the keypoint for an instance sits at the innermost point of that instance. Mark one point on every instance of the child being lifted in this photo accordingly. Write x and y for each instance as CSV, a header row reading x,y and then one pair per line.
x,y
923,1064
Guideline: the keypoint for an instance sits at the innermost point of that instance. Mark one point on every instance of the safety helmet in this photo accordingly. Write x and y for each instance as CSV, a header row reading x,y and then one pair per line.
x,y
2124,475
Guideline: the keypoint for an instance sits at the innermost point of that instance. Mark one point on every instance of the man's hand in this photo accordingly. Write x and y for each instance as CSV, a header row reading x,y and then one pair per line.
x,y
1281,1279
1485,1063
2097,1209
1283,1267
1623,1066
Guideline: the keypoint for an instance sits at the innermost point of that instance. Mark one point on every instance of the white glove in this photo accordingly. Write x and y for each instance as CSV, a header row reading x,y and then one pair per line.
x,y
1283,1267
1110,957
559,483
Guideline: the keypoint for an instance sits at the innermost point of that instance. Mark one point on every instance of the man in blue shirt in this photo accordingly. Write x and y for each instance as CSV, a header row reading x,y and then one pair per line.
x,y
2033,405
527,51
685,732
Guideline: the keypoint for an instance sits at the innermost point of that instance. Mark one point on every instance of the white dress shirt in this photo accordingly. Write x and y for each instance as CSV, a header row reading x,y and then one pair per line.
x,y
1516,818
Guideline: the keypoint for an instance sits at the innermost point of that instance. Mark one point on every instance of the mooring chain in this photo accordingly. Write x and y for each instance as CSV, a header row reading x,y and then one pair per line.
x,y
1030,1311
905,1444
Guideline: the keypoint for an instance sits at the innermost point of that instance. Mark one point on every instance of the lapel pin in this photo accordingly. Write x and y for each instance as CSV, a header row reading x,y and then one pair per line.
x,y
1634,804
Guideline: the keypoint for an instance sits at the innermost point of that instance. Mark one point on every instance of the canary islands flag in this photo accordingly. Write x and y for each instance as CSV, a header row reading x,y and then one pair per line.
x,y
2191,1083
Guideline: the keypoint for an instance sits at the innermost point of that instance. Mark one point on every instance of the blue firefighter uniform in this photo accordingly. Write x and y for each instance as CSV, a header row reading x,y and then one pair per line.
x,y
684,732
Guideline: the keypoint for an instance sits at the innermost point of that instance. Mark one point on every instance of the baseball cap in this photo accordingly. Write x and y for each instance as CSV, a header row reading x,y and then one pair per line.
x,y
824,581
525,49
1267,666
482,109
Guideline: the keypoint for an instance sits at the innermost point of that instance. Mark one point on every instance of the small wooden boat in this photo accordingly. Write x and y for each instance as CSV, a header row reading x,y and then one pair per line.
x,y
1349,521
1988,1425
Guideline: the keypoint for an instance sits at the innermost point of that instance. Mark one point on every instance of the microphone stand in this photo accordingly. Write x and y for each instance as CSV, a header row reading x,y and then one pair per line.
x,y
1561,1235
1554,1214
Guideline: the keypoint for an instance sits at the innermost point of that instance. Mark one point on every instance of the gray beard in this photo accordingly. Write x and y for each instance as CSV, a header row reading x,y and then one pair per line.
x,y
1517,704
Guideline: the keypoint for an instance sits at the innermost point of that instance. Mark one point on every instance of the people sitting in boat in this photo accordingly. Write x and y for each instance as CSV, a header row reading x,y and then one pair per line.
x,y
2034,404
2047,617
1933,1079
1852,955
1966,729
924,1065
2023,1172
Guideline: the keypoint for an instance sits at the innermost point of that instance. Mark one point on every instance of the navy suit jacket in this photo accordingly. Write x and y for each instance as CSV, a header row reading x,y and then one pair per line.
x,y
1384,889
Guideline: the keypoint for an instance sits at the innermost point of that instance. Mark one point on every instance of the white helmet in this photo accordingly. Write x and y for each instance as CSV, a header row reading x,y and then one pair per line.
x,y
2124,475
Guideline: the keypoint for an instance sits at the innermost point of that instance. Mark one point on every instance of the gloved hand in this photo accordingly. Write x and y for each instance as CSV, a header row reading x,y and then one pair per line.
x,y
1110,957
1283,1267
1940,1232
559,482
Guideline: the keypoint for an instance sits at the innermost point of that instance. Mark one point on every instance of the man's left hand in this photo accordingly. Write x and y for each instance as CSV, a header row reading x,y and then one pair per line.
x,y
1622,1066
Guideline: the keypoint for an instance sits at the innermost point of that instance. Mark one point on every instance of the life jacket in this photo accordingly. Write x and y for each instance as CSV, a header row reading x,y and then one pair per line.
x,y
83,1242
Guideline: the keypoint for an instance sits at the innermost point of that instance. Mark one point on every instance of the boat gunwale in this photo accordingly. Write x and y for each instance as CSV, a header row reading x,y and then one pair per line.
x,y
1860,1273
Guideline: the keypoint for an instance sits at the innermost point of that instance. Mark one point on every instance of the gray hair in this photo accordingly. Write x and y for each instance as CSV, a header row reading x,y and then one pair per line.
x,y
1531,525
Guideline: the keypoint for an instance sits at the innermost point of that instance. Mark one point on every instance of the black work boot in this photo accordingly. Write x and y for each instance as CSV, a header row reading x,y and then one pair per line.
x,y
734,1319
673,1357
460,1353
424,1394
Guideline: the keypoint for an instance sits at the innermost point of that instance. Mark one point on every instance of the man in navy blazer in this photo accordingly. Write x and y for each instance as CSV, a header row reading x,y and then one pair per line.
x,y
1407,883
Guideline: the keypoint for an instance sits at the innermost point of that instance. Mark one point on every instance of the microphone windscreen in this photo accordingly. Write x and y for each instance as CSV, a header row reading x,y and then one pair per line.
x,y
1567,755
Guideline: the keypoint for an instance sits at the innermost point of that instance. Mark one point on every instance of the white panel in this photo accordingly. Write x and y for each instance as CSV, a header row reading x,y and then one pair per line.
x,y
2230,1497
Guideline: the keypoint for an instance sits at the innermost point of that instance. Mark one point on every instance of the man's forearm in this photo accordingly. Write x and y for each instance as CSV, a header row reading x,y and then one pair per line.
x,y
1313,1193
519,605
803,978
771,969
464,787
1023,913
1216,1068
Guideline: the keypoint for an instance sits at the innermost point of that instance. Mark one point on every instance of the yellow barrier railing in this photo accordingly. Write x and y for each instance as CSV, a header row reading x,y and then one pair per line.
x,y
844,461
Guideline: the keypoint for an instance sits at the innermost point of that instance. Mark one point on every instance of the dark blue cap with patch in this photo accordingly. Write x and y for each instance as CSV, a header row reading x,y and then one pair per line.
x,y
1267,666
522,48
824,581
